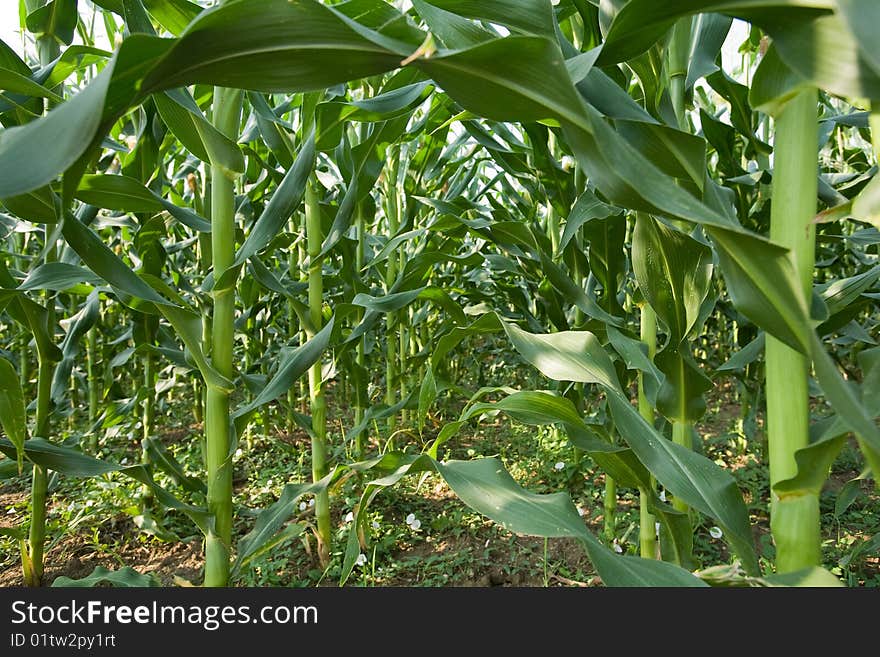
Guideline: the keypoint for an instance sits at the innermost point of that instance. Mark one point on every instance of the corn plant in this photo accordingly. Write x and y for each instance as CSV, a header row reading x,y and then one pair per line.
x,y
277,200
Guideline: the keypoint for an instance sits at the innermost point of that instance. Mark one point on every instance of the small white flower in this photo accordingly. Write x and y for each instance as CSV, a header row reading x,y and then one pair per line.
x,y
415,524
560,465
303,506
269,482
238,453
349,516
662,495
581,511
617,547
361,560
411,518
715,532
374,525
312,502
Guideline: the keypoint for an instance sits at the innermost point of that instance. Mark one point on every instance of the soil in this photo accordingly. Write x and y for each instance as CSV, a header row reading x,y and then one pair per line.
x,y
76,556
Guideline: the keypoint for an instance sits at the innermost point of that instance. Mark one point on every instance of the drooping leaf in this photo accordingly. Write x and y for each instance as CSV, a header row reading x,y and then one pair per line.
x,y
124,578
13,416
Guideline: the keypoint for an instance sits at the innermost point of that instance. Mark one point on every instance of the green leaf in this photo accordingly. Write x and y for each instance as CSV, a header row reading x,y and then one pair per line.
x,y
389,302
840,293
283,204
56,18
270,520
165,461
36,318
21,84
606,256
14,532
106,264
188,327
574,293
79,324
67,461
813,466
693,478
13,417
485,486
173,15
674,272
812,40
565,356
9,469
125,194
635,355
681,396
292,367
427,396
860,15
811,577
123,578
822,49
639,24
774,84
73,463
848,406
184,118
699,482
39,205
745,356
524,16
761,281
34,154
302,46
846,496
709,33
450,29
520,78
58,276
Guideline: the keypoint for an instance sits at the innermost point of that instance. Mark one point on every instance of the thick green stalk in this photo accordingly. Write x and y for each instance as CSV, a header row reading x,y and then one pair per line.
x,y
361,392
402,351
610,508
206,261
315,237
227,114
647,533
391,318
794,521
147,418
677,62
48,50
92,377
678,57
292,323
33,561
554,230
681,435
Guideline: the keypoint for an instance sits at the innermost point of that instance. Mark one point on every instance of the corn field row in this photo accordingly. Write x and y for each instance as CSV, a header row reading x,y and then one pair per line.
x,y
379,224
